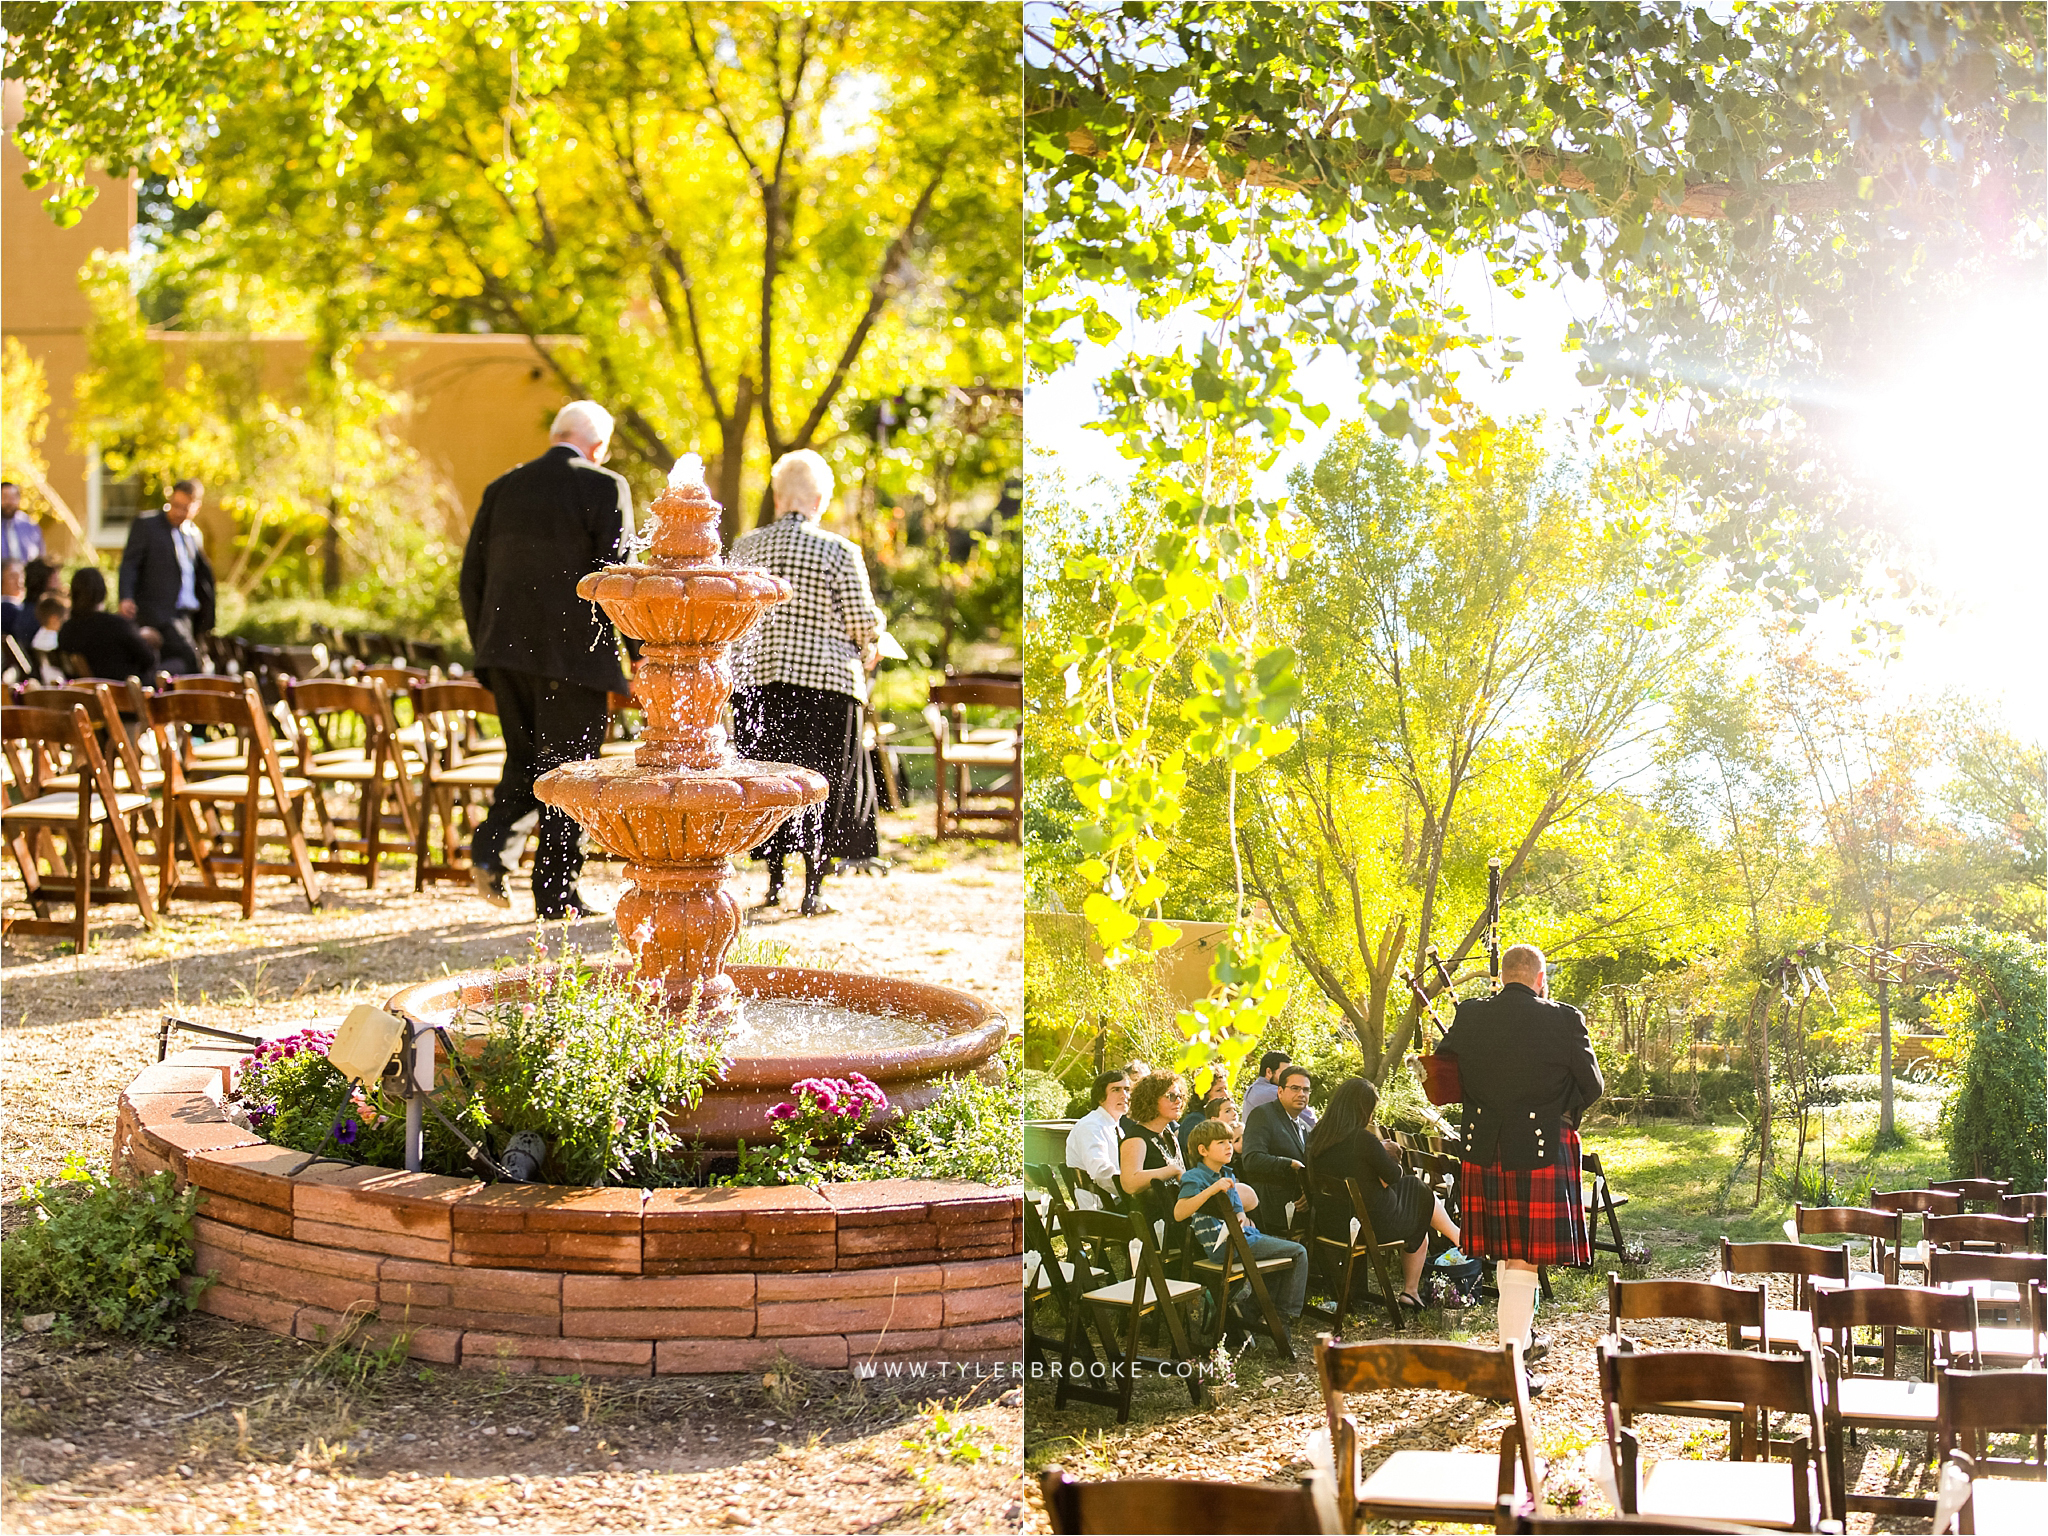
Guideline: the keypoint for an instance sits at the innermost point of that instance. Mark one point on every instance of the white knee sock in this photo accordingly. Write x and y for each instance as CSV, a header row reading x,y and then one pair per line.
x,y
1517,1302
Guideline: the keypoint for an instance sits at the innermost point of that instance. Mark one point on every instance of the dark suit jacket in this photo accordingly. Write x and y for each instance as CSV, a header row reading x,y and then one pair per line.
x,y
149,576
1271,1138
111,645
18,620
542,528
1528,1071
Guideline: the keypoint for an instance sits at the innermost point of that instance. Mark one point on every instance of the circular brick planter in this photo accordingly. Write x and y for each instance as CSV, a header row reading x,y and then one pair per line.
x,y
565,1280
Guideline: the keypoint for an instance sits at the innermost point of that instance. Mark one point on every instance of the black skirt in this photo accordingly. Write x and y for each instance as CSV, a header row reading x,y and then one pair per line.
x,y
819,730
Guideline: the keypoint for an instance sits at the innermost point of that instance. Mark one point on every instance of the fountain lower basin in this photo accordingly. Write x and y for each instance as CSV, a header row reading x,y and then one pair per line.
x,y
960,1033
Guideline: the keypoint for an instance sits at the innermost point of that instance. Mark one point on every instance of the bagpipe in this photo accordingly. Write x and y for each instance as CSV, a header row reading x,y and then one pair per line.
x,y
1440,1078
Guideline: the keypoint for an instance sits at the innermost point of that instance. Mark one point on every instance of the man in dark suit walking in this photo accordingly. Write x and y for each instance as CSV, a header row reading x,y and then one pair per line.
x,y
1526,1064
1276,1148
548,656
166,579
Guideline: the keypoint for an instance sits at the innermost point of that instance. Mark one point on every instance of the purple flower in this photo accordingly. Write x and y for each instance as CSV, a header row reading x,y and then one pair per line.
x,y
345,1132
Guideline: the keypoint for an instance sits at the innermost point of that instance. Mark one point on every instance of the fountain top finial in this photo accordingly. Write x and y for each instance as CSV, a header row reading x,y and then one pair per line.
x,y
685,518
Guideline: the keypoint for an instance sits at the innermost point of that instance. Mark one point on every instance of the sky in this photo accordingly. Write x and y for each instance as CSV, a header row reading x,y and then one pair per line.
x,y
1958,437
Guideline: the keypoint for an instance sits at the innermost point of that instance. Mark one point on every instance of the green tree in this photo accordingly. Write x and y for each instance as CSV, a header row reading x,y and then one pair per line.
x,y
1754,192
731,222
1490,652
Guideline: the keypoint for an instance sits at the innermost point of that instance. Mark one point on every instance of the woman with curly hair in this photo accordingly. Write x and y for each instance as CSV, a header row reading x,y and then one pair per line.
x,y
1347,1145
1150,1153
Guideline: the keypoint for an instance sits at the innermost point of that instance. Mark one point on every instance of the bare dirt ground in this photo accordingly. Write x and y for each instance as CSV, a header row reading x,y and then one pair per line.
x,y
235,1430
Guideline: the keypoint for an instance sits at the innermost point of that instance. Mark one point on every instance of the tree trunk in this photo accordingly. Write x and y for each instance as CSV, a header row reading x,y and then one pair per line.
x,y
732,459
1885,1129
330,557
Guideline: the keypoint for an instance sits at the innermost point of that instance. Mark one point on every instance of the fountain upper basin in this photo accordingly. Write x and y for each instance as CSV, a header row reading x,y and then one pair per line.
x,y
655,814
964,1034
680,604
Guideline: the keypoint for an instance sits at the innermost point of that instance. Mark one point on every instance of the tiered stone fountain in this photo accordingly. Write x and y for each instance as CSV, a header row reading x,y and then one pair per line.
x,y
627,1281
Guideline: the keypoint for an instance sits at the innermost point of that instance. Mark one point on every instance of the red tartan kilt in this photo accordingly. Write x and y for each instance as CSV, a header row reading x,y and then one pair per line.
x,y
1537,1216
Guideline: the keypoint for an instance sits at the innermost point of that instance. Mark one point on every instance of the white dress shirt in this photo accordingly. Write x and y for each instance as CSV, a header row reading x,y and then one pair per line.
x,y
1092,1147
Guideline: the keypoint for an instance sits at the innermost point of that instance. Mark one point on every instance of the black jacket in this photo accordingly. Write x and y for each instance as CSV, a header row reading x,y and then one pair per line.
x,y
112,647
149,576
1528,1071
542,528
1271,1139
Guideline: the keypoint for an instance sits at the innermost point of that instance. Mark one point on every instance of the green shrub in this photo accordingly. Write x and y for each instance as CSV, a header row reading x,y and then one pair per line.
x,y
1044,1096
1994,1124
588,1061
103,1253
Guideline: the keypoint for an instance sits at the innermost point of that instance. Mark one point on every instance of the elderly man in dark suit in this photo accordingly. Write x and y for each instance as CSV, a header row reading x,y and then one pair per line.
x,y
1276,1148
1526,1064
548,656
166,579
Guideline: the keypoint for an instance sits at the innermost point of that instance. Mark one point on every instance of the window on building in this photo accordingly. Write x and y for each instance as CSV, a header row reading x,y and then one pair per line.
x,y
113,501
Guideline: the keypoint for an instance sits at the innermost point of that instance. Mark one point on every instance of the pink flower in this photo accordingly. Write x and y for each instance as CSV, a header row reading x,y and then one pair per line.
x,y
783,1112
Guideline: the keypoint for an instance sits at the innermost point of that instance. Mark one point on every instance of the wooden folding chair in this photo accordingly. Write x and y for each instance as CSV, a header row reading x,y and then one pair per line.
x,y
1974,1229
262,792
1120,1310
456,773
1780,1496
957,752
1603,1205
2006,1492
1222,1275
2032,1209
1513,1517
1363,1243
345,737
1792,1327
1882,1228
1912,1257
1741,1310
103,701
1885,1401
2005,1286
1462,1486
1982,1194
1144,1505
72,815
2009,1504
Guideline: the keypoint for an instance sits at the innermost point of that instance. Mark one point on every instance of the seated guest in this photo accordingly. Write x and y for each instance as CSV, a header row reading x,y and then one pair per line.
x,y
1093,1143
1208,1187
1347,1145
51,612
1264,1088
13,589
111,645
1149,1159
1276,1147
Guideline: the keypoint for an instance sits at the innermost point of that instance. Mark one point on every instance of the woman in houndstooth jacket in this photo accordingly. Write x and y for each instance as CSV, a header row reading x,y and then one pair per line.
x,y
800,678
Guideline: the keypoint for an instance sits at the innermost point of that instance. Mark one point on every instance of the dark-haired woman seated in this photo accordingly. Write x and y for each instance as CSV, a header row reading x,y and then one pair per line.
x,y
1347,1145
1149,1156
111,645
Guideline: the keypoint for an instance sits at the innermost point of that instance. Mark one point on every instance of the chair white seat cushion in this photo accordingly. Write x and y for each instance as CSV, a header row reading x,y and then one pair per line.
x,y
1119,1295
1875,1397
1215,1266
225,746
1739,1492
60,808
1042,1282
151,779
1447,1480
618,749
2007,1504
977,754
1785,1327
235,786
473,775
1999,1344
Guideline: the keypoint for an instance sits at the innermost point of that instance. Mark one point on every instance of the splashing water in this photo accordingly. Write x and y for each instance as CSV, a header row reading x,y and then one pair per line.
x,y
790,1026
686,472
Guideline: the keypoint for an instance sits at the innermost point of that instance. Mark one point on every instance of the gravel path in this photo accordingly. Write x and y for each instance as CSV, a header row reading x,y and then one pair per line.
x,y
237,1430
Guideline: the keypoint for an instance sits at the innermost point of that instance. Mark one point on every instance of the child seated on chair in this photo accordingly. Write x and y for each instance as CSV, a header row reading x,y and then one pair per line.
x,y
51,612
1210,1145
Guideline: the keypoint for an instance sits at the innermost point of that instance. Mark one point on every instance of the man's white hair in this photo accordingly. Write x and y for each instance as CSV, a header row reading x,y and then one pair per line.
x,y
802,480
583,421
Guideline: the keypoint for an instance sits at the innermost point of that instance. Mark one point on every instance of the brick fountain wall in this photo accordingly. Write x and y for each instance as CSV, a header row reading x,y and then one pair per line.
x,y
563,1280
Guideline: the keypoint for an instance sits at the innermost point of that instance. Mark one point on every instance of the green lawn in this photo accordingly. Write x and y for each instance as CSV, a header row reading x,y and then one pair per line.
x,y
1675,1174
